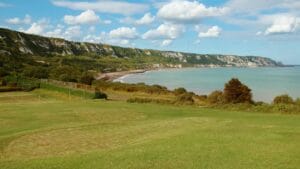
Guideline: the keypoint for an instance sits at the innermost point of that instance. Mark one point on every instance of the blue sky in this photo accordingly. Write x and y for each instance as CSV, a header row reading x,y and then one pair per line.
x,y
267,28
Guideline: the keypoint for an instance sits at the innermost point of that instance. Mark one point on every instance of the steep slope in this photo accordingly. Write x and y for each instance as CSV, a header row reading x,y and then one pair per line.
x,y
17,43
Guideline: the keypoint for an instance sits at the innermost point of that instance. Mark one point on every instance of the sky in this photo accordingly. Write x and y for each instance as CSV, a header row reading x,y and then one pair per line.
x,y
269,28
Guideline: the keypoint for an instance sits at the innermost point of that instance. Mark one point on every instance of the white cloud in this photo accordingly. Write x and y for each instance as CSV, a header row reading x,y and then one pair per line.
x,y
112,6
252,6
107,22
56,32
92,38
283,24
146,19
127,20
37,28
2,5
259,33
164,31
18,21
69,33
212,32
255,6
188,11
123,33
73,32
86,17
121,36
166,42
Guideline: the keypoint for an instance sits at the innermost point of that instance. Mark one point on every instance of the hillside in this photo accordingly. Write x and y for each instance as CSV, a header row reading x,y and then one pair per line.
x,y
14,43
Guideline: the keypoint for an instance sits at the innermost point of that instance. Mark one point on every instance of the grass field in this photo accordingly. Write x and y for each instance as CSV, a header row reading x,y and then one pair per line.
x,y
45,129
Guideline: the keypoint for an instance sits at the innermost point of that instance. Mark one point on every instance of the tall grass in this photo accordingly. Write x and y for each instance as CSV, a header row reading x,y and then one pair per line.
x,y
68,91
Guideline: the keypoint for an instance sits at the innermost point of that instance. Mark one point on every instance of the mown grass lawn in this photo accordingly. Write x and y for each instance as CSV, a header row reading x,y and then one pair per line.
x,y
44,130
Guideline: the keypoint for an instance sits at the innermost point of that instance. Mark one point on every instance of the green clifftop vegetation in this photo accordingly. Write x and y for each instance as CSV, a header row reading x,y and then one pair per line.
x,y
42,57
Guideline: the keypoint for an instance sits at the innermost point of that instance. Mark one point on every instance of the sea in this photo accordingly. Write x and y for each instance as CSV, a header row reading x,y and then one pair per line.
x,y
265,82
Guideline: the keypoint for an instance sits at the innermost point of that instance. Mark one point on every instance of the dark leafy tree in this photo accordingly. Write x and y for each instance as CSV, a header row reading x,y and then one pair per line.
x,y
36,72
237,92
65,73
87,78
185,98
215,97
180,91
283,99
297,101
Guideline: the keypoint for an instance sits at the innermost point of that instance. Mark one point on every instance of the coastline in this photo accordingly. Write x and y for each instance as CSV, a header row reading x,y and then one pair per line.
x,y
111,76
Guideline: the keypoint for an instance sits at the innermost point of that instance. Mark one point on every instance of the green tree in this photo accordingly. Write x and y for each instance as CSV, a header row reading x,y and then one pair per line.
x,y
87,78
237,92
180,91
65,73
297,101
215,97
36,72
283,99
185,98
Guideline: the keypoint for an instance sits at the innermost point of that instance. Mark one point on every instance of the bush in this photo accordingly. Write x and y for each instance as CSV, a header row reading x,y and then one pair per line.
x,y
179,91
100,95
65,73
297,101
36,72
87,78
148,100
10,89
3,72
286,108
215,97
283,99
3,82
236,92
140,87
186,98
25,83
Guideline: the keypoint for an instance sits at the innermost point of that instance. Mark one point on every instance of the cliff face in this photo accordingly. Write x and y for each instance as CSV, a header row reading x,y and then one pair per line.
x,y
17,43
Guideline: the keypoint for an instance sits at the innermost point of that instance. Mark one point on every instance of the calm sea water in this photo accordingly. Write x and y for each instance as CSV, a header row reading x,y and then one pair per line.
x,y
266,83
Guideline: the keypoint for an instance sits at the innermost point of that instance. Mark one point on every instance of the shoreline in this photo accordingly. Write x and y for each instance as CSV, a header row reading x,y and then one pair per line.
x,y
112,76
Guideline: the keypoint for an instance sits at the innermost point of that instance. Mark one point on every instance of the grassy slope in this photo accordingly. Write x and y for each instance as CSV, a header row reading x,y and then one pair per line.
x,y
45,129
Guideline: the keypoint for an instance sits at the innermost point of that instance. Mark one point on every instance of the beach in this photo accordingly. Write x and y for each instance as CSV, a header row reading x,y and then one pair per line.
x,y
115,75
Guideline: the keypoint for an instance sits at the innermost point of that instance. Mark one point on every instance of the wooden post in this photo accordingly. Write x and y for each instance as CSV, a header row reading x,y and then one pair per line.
x,y
69,93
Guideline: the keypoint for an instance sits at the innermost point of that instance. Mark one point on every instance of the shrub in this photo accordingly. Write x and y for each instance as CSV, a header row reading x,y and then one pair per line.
x,y
201,97
3,72
10,89
236,92
148,100
100,95
87,78
215,97
283,99
65,73
286,108
3,83
179,91
297,101
36,72
186,98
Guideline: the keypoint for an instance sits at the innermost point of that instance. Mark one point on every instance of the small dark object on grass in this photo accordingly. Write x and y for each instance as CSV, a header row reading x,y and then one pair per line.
x,y
100,95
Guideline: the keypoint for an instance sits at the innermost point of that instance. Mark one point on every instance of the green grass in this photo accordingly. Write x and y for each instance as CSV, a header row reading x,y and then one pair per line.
x,y
46,129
